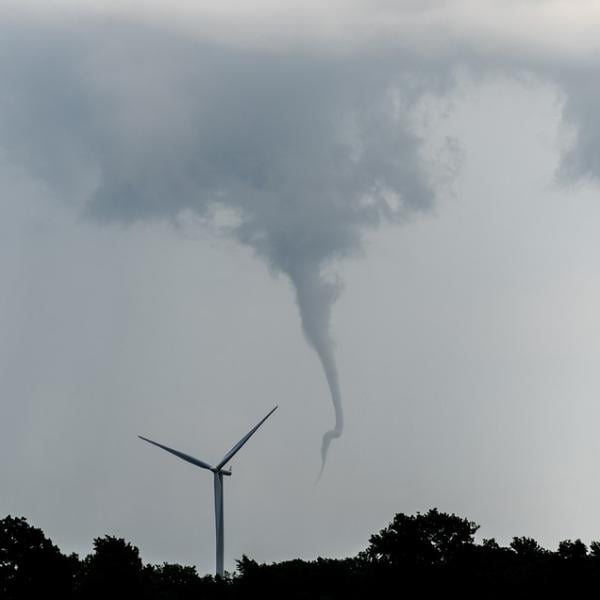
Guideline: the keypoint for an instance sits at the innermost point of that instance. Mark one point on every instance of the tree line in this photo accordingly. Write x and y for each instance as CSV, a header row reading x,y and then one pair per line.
x,y
429,554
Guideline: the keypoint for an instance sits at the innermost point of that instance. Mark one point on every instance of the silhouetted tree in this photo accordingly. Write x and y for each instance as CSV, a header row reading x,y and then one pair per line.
x,y
527,547
490,544
114,570
30,565
177,582
569,550
426,539
595,549
423,555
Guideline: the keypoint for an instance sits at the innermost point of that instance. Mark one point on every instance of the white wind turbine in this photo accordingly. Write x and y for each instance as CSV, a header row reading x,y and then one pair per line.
x,y
218,473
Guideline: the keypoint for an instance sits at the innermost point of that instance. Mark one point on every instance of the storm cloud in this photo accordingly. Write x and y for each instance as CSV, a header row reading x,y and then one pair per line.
x,y
294,136
295,154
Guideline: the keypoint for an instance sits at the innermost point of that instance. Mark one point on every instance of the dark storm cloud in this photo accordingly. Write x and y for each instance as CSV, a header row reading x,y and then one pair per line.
x,y
306,149
581,88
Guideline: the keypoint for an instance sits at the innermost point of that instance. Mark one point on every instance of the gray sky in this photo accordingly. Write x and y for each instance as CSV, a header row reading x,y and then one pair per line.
x,y
422,180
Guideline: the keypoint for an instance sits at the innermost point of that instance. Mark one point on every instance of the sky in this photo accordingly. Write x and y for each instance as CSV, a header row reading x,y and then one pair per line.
x,y
209,209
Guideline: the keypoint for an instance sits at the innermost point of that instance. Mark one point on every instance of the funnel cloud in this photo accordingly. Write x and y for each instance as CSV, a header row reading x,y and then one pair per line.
x,y
315,297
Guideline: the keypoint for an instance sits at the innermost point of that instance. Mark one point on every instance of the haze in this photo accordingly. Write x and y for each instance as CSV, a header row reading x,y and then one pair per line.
x,y
171,179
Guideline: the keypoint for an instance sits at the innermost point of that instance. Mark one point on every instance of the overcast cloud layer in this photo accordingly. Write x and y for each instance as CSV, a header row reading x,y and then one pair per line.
x,y
303,152
293,134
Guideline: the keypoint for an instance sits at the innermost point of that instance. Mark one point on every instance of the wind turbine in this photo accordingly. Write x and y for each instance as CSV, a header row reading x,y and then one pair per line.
x,y
218,473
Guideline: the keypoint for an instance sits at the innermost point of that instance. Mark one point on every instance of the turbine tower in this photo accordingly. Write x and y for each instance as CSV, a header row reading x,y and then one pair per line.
x,y
218,473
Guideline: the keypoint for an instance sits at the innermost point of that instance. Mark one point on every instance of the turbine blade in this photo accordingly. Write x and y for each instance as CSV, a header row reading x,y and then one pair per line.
x,y
186,457
238,446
